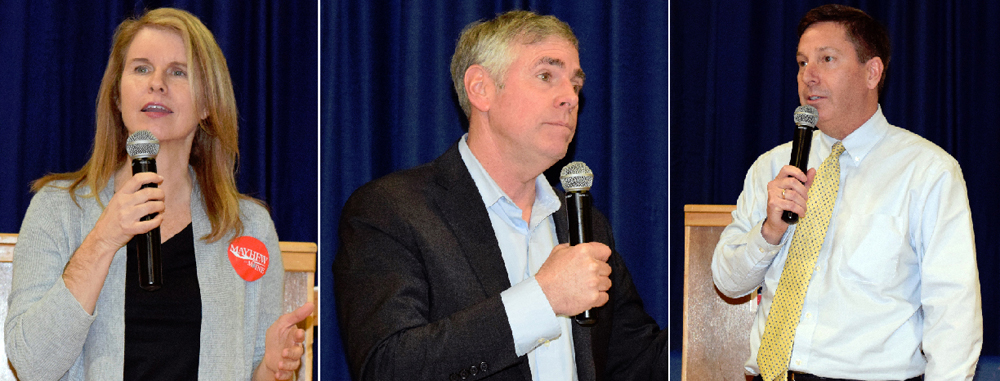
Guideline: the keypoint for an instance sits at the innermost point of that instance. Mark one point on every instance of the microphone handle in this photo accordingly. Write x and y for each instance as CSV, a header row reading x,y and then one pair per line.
x,y
146,246
800,159
578,206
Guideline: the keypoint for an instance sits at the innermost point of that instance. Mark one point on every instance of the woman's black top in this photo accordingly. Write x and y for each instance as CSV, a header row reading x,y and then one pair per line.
x,y
163,327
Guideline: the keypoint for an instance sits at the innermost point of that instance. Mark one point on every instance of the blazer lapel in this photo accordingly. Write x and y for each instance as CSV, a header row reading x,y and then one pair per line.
x,y
462,209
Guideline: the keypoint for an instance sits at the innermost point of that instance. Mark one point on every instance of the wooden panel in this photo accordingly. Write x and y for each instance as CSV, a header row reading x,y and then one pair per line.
x,y
299,262
716,328
299,259
299,289
7,242
708,215
297,247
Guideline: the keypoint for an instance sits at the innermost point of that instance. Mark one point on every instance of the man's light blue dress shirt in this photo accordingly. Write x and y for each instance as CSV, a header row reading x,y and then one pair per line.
x,y
538,332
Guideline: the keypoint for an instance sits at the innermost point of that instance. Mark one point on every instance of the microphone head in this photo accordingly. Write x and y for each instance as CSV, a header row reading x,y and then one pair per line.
x,y
576,177
806,116
142,145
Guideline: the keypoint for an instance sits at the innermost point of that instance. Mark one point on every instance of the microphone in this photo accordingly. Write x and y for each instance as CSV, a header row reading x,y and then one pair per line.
x,y
805,122
142,147
576,179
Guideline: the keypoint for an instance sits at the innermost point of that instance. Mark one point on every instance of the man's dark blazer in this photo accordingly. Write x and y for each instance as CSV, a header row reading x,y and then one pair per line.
x,y
417,283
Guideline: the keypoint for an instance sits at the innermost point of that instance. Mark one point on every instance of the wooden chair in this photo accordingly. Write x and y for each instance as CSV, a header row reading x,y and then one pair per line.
x,y
300,273
716,329
299,259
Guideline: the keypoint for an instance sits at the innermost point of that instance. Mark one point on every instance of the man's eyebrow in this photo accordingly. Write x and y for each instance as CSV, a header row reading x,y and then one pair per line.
x,y
799,53
546,60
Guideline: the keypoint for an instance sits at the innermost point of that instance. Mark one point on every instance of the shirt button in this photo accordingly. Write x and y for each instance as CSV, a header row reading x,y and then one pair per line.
x,y
798,362
809,315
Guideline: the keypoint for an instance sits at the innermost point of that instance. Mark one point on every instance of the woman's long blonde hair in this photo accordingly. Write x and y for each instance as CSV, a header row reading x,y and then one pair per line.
x,y
215,149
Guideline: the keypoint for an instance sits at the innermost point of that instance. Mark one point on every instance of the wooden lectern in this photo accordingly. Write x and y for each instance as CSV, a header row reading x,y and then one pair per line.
x,y
716,328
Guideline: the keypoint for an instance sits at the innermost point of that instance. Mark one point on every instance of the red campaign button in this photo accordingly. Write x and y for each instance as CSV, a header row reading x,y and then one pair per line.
x,y
249,257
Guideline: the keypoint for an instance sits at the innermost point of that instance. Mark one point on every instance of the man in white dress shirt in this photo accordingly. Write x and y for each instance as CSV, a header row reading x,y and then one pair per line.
x,y
894,293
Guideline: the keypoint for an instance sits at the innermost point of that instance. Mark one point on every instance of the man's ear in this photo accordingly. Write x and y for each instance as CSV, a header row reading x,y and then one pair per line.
x,y
479,87
873,69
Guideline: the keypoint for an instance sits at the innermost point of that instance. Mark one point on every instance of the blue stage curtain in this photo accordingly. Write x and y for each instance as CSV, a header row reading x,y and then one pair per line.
x,y
54,55
388,104
733,93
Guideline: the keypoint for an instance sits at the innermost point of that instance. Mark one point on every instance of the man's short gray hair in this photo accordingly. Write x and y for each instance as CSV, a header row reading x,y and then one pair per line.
x,y
489,44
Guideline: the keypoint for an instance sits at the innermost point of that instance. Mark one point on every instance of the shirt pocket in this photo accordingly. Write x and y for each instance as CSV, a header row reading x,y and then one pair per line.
x,y
868,247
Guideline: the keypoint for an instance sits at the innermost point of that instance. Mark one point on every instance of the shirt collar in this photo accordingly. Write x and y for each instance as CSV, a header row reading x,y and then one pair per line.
x,y
546,200
860,142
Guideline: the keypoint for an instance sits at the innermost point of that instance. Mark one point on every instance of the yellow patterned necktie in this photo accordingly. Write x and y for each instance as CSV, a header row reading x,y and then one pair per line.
x,y
779,332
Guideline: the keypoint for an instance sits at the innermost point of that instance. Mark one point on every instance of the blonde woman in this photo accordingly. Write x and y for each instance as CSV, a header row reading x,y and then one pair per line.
x,y
75,310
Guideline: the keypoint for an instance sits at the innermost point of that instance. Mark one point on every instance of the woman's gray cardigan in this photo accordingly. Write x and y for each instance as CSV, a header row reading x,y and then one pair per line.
x,y
49,336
